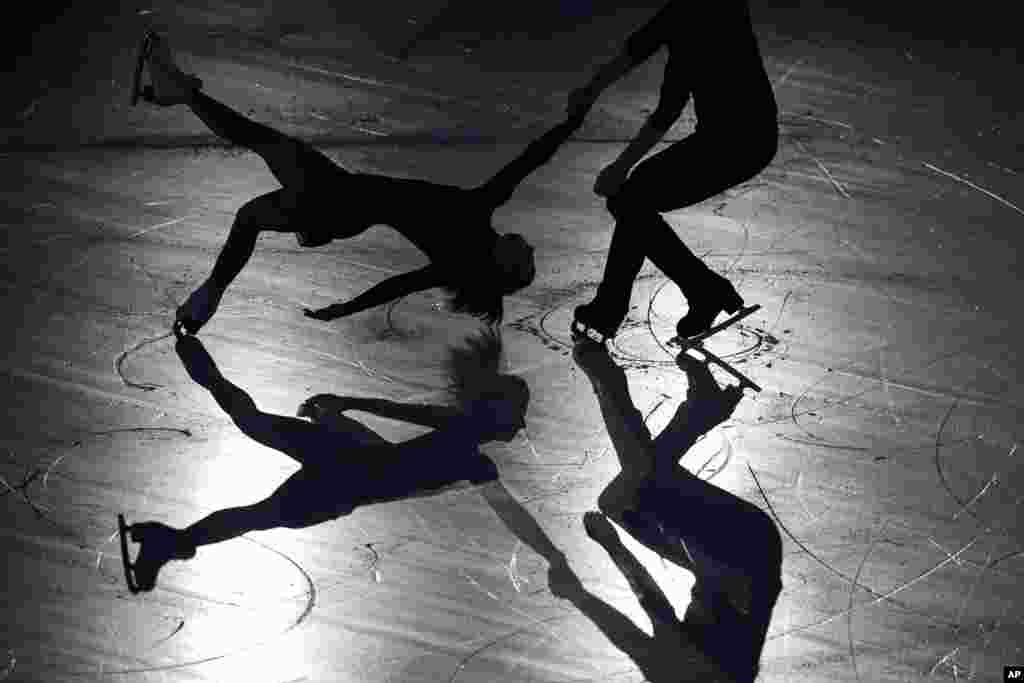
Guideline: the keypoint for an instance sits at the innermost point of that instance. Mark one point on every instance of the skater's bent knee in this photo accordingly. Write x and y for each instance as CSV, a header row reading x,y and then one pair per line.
x,y
626,203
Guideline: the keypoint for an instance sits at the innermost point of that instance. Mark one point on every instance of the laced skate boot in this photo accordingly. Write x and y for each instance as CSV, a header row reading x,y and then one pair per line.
x,y
159,544
600,325
170,85
716,294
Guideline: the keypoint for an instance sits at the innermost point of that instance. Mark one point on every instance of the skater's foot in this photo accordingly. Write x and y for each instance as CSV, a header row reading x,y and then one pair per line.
x,y
600,529
198,308
589,320
313,238
715,296
159,544
171,85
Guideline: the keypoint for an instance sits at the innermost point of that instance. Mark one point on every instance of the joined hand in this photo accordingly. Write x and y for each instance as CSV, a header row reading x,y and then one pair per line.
x,y
332,312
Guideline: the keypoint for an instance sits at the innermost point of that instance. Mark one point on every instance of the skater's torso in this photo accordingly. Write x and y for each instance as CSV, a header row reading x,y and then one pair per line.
x,y
383,472
713,58
446,223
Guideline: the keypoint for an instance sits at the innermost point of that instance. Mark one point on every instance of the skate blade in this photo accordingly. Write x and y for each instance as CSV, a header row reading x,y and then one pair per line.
x,y
138,91
129,568
745,382
689,342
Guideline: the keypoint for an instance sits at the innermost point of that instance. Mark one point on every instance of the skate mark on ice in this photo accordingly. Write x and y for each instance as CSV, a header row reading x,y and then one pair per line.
x,y
108,432
741,254
788,72
782,308
754,341
488,645
540,623
965,506
816,440
374,562
824,171
968,183
798,491
878,597
993,481
310,594
850,605
178,628
119,362
90,252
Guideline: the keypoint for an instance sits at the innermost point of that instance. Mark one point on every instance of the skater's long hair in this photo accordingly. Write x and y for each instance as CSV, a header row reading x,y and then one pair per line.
x,y
475,377
478,283
475,295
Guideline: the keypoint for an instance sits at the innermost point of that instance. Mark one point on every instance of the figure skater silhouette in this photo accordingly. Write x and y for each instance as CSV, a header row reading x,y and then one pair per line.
x,y
344,464
730,545
320,201
713,56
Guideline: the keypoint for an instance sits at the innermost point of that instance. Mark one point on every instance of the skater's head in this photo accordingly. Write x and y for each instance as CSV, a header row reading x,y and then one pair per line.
x,y
498,400
480,276
513,257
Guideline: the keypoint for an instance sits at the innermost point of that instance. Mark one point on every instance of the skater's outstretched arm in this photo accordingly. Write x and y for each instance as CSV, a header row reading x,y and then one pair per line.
x,y
503,184
436,416
391,289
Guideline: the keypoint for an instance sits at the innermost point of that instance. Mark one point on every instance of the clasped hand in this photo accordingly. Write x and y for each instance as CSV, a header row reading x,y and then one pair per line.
x,y
332,312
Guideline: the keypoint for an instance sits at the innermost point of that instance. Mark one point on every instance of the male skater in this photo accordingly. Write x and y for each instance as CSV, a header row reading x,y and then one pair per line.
x,y
713,57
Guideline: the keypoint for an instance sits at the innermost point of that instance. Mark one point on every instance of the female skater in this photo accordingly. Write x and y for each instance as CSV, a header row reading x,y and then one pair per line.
x,y
344,464
713,56
731,546
320,201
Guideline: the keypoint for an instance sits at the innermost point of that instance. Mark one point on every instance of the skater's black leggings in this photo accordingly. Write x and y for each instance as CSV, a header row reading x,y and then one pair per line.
x,y
696,168
295,164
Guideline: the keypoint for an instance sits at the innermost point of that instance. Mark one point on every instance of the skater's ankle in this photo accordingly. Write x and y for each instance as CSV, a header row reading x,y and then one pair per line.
x,y
214,287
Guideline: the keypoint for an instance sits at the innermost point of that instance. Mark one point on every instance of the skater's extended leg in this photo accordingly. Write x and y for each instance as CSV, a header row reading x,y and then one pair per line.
x,y
652,188
625,425
306,442
296,164
311,495
229,523
609,306
303,441
271,211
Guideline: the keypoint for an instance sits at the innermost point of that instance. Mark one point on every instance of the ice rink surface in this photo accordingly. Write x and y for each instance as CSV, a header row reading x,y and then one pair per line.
x,y
882,243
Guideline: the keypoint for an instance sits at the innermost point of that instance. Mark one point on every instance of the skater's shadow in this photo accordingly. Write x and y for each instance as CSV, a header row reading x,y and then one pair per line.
x,y
731,546
344,464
